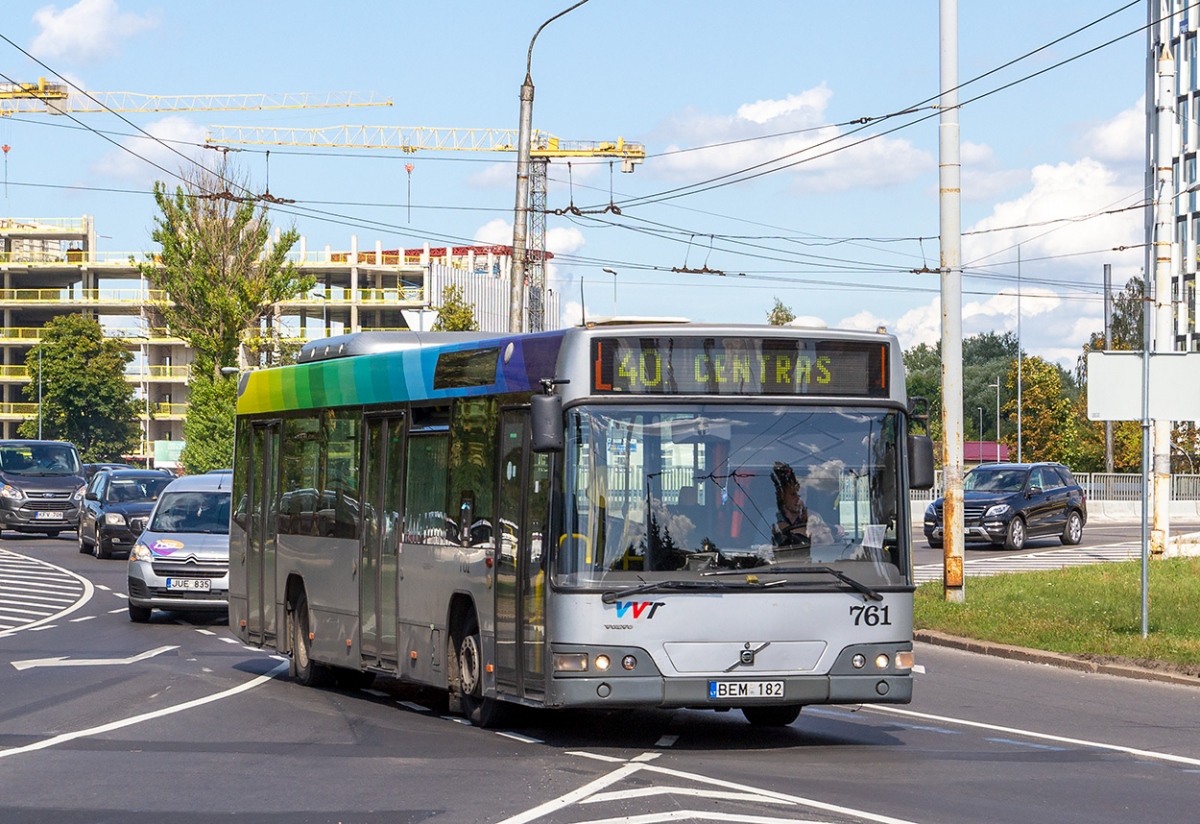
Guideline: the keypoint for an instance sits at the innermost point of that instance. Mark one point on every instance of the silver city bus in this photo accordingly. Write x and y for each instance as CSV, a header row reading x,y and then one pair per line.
x,y
654,515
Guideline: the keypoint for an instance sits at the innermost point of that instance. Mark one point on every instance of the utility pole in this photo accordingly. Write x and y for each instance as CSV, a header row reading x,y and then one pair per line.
x,y
1164,316
516,291
949,200
1108,427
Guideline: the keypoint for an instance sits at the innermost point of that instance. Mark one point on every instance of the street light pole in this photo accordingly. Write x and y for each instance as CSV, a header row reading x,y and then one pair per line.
x,y
996,386
516,291
39,390
980,455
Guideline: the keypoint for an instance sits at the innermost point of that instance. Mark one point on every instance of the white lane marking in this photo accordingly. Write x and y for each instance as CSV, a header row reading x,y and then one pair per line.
x,y
741,792
233,641
695,792
524,739
597,757
666,741
115,611
205,631
25,611
137,719
1025,744
84,618
88,591
919,669
413,706
103,587
1040,736
63,661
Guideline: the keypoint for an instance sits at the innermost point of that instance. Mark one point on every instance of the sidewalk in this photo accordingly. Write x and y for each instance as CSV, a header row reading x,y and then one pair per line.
x,y
1055,659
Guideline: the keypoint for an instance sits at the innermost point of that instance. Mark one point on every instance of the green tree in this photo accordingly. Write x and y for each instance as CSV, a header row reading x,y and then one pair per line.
x,y
217,264
85,398
455,314
923,375
222,273
1048,427
781,315
208,427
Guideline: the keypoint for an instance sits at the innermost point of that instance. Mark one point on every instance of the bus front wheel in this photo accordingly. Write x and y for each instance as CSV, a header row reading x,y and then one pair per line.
x,y
466,680
779,715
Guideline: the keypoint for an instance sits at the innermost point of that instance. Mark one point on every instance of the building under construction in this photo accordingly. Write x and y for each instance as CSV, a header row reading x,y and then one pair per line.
x,y
52,267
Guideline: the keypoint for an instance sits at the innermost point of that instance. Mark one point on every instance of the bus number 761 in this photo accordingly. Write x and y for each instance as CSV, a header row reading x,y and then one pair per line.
x,y
871,616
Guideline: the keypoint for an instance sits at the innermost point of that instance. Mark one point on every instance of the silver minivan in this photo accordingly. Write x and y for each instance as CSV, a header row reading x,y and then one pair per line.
x,y
181,560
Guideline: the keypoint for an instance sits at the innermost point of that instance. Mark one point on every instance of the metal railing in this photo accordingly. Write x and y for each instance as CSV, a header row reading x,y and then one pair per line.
x,y
1101,486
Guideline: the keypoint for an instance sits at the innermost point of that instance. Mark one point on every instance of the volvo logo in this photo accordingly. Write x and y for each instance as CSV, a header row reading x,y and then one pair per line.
x,y
747,654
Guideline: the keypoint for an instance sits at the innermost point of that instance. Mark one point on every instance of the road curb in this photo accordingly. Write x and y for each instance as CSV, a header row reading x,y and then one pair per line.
x,y
1053,659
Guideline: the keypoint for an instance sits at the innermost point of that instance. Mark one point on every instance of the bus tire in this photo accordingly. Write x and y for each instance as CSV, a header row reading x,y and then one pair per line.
x,y
466,687
305,670
779,715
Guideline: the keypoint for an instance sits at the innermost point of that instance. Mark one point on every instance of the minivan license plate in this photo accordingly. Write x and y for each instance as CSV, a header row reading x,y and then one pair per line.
x,y
193,584
741,690
48,516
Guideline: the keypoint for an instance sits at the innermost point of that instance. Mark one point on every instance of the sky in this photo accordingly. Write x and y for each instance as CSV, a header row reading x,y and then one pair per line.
x,y
760,172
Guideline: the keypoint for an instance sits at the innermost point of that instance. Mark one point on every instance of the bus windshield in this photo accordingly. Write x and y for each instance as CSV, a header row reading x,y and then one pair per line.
x,y
689,491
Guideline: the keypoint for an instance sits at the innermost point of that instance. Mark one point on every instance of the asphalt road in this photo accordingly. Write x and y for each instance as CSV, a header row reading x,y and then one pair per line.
x,y
102,720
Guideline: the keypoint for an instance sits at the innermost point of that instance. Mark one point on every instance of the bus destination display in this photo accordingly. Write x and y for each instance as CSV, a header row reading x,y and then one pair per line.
x,y
739,366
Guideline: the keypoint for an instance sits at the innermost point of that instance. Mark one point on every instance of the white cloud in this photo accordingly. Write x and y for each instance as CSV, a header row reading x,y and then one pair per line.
x,y
143,159
1122,139
88,31
790,130
496,231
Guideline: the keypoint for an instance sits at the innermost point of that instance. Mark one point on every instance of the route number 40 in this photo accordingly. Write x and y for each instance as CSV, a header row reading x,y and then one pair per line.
x,y
871,616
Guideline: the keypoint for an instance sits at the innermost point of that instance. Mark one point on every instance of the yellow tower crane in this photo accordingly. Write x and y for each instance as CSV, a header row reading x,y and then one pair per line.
x,y
543,148
44,97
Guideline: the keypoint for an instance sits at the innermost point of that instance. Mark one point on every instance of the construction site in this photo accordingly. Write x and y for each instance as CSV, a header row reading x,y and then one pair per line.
x,y
51,267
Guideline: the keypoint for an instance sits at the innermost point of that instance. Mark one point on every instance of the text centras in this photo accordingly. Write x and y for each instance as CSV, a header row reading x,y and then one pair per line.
x,y
739,366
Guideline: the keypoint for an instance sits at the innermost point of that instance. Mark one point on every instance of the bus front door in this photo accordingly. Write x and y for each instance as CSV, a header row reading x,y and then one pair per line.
x,y
262,534
520,592
383,470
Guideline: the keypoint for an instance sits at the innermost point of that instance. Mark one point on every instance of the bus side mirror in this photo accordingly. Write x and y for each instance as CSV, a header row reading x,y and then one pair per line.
x,y
920,462
546,421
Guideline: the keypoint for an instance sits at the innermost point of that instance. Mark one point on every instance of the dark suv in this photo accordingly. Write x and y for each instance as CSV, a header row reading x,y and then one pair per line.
x,y
1006,504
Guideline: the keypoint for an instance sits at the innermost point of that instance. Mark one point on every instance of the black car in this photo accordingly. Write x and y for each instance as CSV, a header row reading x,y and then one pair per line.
x,y
90,469
115,507
1005,504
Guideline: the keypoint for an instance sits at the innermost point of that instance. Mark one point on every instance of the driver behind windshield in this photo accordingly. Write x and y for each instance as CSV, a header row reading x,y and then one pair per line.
x,y
795,525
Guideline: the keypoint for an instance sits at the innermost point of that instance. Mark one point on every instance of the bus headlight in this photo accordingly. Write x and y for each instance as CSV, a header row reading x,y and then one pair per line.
x,y
858,661
904,660
882,661
602,662
629,662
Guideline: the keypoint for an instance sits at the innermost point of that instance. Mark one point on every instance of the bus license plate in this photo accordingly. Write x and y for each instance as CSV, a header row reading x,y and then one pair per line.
x,y
724,690
193,584
48,516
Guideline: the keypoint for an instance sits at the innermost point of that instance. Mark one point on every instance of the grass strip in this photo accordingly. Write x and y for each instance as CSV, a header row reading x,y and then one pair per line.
x,y
1093,610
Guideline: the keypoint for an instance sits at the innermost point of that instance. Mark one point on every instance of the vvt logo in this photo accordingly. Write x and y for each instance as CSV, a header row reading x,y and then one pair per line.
x,y
638,608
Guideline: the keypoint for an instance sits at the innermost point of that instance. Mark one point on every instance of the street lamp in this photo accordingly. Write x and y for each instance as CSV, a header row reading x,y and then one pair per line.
x,y
516,291
613,272
996,386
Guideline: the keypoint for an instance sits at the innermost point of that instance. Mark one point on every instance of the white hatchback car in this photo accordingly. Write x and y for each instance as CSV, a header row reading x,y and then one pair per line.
x,y
181,560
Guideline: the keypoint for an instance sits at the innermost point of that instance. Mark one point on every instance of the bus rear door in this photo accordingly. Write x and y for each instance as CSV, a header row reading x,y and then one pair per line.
x,y
383,494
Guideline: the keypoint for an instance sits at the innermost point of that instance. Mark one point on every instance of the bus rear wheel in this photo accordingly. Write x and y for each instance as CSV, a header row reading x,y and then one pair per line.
x,y
305,670
779,715
466,679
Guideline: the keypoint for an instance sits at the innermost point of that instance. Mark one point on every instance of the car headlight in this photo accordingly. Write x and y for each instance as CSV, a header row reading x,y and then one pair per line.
x,y
12,493
997,510
140,552
114,519
78,495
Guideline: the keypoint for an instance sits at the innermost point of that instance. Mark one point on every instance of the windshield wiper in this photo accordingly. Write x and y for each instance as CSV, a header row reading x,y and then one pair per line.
x,y
614,595
857,586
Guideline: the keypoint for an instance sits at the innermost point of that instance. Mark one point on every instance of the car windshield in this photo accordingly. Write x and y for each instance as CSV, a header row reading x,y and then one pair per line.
x,y
989,479
135,490
40,459
684,492
193,511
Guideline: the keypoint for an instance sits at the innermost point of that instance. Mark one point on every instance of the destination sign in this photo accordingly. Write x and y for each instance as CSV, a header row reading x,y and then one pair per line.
x,y
739,366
